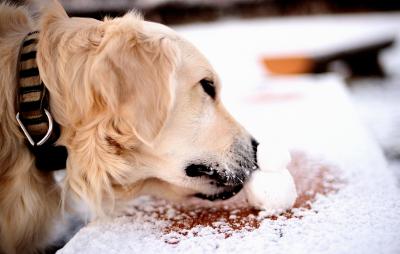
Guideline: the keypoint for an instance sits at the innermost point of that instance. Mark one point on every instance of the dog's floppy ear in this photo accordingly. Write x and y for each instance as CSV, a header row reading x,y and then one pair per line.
x,y
115,66
132,75
126,95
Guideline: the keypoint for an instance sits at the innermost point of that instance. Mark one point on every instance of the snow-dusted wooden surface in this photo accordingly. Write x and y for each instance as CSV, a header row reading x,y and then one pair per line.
x,y
314,117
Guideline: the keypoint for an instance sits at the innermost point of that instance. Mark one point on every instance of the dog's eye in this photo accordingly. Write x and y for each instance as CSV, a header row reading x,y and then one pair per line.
x,y
208,87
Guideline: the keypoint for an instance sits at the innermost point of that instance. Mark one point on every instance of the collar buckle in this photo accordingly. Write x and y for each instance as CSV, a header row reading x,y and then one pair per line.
x,y
29,137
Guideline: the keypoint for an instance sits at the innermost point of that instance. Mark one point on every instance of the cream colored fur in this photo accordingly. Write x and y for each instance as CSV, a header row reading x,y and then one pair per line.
x,y
126,94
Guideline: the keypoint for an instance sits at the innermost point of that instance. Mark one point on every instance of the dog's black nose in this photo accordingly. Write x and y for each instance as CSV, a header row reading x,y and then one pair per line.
x,y
254,145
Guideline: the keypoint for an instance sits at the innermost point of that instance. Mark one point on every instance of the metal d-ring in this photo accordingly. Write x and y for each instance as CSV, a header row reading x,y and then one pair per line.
x,y
45,138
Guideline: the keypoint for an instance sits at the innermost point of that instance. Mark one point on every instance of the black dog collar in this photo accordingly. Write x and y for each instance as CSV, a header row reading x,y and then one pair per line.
x,y
33,115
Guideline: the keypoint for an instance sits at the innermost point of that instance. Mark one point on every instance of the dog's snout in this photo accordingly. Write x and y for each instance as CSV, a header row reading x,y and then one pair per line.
x,y
231,173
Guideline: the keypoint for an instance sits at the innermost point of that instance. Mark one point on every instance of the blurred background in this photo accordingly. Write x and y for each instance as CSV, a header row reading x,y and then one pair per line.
x,y
185,11
256,44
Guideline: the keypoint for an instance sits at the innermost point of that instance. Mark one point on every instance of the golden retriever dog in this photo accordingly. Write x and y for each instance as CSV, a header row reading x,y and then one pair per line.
x,y
139,112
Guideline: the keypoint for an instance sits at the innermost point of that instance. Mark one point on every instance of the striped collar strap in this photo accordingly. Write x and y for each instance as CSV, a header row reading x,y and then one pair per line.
x,y
33,114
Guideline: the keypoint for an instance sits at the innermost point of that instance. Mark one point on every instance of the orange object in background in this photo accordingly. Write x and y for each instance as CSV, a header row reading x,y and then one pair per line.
x,y
289,65
361,59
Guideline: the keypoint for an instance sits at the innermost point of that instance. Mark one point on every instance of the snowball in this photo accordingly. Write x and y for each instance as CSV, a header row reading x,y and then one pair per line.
x,y
271,190
273,156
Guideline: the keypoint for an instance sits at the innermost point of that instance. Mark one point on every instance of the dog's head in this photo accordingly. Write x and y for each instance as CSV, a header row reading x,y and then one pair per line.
x,y
140,111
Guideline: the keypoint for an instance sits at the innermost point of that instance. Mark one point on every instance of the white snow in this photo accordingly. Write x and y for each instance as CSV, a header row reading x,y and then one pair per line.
x,y
272,191
309,114
271,188
273,155
378,104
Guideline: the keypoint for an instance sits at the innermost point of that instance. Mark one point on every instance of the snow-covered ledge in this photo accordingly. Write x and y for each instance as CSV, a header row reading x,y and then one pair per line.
x,y
311,115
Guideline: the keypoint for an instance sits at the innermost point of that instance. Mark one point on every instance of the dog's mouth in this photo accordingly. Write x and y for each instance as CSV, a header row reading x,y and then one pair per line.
x,y
224,195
